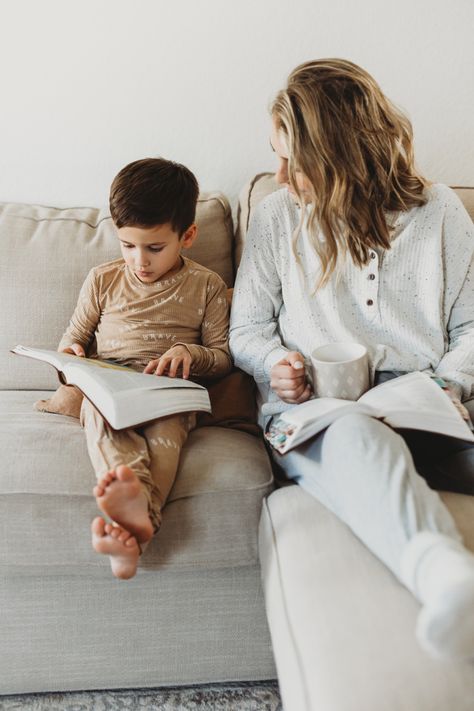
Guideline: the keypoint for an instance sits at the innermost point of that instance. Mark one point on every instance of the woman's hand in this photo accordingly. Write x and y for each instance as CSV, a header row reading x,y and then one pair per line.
x,y
288,379
454,392
75,349
174,359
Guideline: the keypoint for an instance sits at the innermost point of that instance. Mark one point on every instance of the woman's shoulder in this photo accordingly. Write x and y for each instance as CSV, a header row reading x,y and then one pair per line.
x,y
446,203
280,196
439,195
277,207
445,208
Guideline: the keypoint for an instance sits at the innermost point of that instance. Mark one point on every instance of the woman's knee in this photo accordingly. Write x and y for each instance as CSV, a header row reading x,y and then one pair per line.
x,y
356,433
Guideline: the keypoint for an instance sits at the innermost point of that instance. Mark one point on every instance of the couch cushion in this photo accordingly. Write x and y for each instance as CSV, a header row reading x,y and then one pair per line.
x,y
342,625
264,183
46,496
47,253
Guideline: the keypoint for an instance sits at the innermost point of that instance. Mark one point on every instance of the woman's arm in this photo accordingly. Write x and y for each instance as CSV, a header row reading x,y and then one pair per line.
x,y
457,364
255,341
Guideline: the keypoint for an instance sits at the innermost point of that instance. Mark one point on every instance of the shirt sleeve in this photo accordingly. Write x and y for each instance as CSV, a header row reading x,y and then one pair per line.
x,y
86,316
255,340
457,364
211,359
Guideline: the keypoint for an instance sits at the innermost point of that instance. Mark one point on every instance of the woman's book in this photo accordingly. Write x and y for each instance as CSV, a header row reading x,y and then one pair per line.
x,y
412,401
123,397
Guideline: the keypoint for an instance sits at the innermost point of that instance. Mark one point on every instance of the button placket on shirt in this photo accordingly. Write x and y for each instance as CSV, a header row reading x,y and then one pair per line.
x,y
371,274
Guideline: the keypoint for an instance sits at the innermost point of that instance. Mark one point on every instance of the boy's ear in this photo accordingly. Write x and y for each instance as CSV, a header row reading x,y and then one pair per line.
x,y
189,236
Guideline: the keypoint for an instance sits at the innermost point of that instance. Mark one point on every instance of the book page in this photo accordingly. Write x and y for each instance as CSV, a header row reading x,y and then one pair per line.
x,y
58,360
412,391
120,378
415,401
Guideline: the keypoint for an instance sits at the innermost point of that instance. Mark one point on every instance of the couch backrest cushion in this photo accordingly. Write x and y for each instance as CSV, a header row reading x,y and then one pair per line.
x,y
265,183
46,254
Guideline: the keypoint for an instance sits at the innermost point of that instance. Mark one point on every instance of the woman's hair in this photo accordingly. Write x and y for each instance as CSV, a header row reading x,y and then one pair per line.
x,y
355,148
154,191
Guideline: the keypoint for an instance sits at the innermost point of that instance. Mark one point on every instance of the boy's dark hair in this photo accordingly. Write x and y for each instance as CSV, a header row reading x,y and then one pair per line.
x,y
154,191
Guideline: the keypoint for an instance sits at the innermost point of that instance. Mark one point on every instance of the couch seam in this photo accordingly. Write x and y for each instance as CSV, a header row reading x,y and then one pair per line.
x,y
151,565
169,500
61,219
217,198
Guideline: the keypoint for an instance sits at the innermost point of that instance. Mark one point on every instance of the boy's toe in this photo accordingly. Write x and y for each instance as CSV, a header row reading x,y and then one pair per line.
x,y
98,526
124,473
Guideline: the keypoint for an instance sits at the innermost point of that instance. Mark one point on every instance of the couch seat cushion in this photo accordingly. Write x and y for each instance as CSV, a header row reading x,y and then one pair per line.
x,y
46,502
342,625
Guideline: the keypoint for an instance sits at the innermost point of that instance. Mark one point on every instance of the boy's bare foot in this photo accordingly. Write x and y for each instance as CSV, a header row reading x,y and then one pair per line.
x,y
121,547
119,494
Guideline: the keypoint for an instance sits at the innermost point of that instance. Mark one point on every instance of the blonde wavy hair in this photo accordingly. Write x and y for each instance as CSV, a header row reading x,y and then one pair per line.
x,y
356,150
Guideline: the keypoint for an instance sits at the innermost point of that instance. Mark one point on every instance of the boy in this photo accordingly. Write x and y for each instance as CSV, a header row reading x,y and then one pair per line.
x,y
157,311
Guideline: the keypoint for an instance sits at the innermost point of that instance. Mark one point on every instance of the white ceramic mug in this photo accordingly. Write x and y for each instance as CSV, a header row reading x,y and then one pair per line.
x,y
340,370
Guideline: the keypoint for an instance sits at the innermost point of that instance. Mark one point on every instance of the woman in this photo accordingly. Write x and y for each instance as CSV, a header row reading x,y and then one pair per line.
x,y
358,246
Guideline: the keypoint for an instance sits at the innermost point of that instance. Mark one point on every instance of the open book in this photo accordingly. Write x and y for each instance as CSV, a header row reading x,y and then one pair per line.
x,y
412,401
123,397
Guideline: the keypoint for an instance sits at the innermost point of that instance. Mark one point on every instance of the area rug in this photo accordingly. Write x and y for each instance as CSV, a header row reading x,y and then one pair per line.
x,y
255,696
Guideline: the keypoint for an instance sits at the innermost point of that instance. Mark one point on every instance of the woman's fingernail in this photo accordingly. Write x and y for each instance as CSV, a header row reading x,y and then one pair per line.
x,y
298,365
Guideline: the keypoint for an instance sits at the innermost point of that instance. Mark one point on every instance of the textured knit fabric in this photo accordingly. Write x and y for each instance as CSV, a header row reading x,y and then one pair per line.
x,y
412,305
133,322
151,451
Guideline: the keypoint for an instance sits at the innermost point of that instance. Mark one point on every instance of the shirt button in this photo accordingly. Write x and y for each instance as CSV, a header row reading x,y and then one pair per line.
x,y
370,302
371,277
372,255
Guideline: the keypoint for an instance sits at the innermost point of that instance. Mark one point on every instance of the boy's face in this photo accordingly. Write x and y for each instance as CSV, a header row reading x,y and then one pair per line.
x,y
152,252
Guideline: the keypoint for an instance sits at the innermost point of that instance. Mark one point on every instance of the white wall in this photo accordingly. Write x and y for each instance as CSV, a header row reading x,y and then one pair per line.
x,y
89,85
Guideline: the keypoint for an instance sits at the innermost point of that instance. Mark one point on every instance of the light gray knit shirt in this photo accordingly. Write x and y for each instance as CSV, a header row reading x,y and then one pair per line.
x,y
412,306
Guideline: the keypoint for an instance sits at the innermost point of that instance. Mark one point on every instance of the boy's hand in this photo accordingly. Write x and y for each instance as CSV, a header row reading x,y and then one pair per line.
x,y
288,379
75,349
174,359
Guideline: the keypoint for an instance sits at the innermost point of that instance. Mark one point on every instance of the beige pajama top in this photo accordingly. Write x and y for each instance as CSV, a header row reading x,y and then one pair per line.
x,y
130,322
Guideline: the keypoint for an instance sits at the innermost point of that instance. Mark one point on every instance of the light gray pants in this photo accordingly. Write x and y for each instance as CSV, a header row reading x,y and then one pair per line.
x,y
365,473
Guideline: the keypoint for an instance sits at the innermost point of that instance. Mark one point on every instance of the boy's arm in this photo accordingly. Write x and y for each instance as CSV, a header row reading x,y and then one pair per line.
x,y
212,358
85,318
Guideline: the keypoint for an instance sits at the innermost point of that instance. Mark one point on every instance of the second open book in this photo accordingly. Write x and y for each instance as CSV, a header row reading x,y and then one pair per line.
x,y
412,401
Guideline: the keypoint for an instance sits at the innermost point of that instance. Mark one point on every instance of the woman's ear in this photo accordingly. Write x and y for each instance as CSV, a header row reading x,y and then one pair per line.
x,y
189,236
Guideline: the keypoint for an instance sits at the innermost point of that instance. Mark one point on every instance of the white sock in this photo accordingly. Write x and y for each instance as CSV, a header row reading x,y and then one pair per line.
x,y
440,573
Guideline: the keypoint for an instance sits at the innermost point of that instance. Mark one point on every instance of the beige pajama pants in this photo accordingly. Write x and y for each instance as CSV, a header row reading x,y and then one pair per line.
x,y
151,451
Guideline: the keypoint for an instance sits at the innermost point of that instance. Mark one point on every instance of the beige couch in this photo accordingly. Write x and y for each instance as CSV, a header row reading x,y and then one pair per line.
x,y
342,626
195,612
